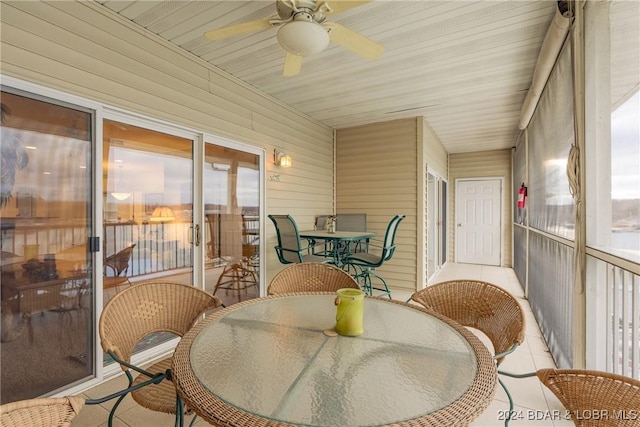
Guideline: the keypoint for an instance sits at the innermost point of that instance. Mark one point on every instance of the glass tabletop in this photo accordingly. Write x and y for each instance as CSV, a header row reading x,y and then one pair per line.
x,y
271,358
337,235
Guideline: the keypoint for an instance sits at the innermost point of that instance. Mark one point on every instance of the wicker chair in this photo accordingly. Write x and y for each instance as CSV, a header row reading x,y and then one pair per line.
x,y
118,263
138,311
616,398
482,306
58,412
310,277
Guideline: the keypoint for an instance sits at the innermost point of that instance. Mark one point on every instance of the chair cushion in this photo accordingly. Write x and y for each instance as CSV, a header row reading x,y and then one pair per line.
x,y
363,258
315,258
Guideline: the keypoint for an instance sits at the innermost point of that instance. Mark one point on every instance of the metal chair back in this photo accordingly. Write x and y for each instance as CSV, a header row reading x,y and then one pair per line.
x,y
289,248
351,222
389,246
321,222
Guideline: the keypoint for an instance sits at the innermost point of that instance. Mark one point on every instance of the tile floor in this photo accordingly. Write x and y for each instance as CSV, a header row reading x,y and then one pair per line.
x,y
535,405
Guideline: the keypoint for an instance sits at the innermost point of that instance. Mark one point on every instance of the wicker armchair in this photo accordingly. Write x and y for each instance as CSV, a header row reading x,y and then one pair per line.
x,y
143,309
310,277
58,412
616,398
482,306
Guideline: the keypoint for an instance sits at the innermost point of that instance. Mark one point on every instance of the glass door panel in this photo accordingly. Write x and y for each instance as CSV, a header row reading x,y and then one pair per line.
x,y
443,222
231,183
46,267
432,227
148,209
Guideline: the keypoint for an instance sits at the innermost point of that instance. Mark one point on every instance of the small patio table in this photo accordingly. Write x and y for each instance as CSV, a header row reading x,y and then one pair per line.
x,y
273,362
340,241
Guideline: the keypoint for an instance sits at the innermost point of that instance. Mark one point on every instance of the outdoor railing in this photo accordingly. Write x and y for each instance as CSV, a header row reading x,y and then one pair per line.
x,y
159,246
623,308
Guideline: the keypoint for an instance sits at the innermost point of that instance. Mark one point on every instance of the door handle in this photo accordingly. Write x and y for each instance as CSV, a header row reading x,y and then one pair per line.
x,y
459,224
194,233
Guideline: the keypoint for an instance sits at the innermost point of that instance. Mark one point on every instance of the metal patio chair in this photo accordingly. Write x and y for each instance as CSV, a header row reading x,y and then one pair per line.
x,y
289,248
362,265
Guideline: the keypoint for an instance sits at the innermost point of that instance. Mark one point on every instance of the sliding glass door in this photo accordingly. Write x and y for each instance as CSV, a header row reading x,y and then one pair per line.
x,y
436,223
147,208
46,225
171,207
232,210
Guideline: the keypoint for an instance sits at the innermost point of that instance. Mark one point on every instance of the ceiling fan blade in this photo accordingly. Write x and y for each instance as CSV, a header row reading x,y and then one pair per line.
x,y
246,27
292,65
353,41
338,6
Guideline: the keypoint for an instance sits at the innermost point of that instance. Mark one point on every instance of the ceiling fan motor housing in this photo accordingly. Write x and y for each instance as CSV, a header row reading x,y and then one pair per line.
x,y
286,8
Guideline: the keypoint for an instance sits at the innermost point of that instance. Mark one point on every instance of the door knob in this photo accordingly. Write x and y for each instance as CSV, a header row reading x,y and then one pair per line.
x,y
459,224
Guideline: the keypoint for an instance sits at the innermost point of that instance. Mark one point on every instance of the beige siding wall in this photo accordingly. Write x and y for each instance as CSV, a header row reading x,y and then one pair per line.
x,y
495,164
435,154
78,48
376,173
436,159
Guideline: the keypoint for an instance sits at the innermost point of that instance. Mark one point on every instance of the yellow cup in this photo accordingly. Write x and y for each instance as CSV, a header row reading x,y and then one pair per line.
x,y
350,312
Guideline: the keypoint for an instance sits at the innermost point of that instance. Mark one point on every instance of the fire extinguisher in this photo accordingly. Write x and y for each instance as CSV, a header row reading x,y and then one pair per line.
x,y
522,196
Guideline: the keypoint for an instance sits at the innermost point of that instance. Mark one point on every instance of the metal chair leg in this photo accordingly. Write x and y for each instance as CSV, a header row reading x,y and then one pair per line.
x,y
384,282
364,277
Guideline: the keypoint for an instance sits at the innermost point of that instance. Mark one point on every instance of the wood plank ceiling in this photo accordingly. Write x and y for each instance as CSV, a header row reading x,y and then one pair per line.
x,y
465,66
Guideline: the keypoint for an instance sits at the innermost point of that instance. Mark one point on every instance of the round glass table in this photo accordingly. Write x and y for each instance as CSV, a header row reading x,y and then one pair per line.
x,y
271,362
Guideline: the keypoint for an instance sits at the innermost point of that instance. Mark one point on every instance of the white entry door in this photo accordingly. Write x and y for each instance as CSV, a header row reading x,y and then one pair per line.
x,y
478,221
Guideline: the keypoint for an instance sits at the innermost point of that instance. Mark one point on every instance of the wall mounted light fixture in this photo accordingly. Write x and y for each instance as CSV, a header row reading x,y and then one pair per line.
x,y
281,159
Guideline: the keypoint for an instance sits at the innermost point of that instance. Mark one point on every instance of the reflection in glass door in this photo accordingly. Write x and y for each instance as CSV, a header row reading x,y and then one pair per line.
x,y
432,226
443,222
436,199
46,220
231,195
148,209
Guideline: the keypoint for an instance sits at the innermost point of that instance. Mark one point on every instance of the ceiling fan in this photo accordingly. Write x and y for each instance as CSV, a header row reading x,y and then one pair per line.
x,y
303,31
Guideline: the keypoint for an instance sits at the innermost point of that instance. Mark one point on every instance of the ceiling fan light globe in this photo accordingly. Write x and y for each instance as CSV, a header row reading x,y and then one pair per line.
x,y
303,38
